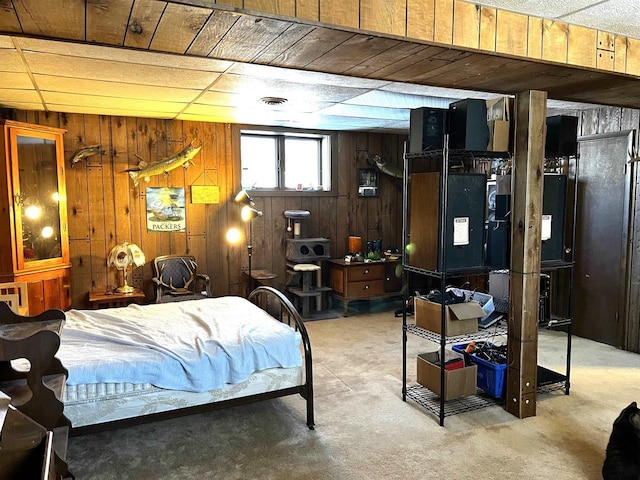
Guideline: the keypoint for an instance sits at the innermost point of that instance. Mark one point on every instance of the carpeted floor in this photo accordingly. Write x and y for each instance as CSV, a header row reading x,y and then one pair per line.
x,y
365,431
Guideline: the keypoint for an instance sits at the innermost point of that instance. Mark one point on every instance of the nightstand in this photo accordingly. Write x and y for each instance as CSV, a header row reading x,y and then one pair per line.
x,y
102,299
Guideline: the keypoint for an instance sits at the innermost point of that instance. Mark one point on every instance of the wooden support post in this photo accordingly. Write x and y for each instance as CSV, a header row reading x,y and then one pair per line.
x,y
526,217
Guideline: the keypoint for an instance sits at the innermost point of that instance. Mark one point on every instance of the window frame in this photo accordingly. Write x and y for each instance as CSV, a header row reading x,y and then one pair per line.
x,y
329,143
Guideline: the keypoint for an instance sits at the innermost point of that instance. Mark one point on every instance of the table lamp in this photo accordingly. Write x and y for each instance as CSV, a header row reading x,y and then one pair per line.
x,y
122,257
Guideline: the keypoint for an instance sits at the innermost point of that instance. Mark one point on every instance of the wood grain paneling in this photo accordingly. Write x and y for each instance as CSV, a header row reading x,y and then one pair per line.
x,y
340,12
443,31
554,41
581,46
385,16
8,18
633,56
211,33
488,28
247,38
178,27
534,39
511,33
620,61
145,16
421,16
105,208
466,24
308,9
107,21
353,51
279,7
51,21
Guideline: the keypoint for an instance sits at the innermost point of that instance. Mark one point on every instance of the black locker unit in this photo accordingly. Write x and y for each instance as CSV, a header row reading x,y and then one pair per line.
x,y
468,129
553,210
465,215
562,136
427,127
498,245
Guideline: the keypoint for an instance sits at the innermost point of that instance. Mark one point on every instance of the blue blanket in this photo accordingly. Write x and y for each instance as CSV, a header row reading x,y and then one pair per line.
x,y
195,345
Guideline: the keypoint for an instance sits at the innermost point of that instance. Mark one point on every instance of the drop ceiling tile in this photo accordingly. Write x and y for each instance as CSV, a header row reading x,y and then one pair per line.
x,y
243,100
16,80
21,105
303,76
427,91
382,98
6,42
111,102
119,112
10,61
97,69
361,111
610,17
540,8
114,89
123,55
261,87
15,95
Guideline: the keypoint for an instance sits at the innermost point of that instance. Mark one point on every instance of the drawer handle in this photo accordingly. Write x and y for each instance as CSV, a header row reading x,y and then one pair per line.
x,y
366,287
366,271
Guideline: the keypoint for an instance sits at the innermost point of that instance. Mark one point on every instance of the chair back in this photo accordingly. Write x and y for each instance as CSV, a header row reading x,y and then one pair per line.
x,y
175,272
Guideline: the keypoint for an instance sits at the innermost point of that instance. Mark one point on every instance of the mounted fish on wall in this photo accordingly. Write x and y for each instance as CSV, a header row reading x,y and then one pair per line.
x,y
84,153
146,171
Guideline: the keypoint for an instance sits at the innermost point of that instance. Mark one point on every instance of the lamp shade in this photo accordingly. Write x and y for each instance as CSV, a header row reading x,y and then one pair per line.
x,y
244,198
247,213
125,255
122,257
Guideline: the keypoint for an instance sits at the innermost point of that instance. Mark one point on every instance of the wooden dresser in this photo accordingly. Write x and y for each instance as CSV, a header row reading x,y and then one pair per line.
x,y
359,281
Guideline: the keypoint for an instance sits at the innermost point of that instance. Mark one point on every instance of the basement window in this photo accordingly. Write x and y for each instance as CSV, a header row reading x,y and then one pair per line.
x,y
285,161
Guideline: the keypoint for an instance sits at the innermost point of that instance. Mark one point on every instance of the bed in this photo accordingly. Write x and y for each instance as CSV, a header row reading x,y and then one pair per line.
x,y
144,362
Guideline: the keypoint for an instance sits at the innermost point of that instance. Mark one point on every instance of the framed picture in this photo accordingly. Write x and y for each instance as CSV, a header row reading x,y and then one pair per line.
x,y
165,209
368,182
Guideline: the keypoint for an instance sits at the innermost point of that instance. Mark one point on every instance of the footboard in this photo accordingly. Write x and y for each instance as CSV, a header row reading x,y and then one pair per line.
x,y
279,307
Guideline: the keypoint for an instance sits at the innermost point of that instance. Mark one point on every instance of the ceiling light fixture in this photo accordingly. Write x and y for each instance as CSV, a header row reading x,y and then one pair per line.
x,y
273,100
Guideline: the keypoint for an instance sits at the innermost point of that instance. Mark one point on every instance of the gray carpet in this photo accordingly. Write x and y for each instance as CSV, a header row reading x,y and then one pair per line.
x,y
365,431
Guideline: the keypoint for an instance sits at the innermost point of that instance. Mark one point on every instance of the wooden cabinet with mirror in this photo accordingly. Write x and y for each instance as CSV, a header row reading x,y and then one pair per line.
x,y
34,240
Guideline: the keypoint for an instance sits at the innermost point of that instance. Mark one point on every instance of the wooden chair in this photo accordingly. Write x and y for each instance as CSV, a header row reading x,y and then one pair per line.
x,y
175,278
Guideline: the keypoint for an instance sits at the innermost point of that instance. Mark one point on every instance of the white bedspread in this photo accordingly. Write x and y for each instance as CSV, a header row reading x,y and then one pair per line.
x,y
195,345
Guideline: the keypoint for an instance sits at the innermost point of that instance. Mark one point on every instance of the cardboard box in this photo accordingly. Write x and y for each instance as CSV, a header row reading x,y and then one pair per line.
x,y
499,122
498,136
457,383
460,318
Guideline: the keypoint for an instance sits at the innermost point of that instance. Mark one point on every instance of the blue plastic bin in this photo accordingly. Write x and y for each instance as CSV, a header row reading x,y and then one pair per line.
x,y
490,375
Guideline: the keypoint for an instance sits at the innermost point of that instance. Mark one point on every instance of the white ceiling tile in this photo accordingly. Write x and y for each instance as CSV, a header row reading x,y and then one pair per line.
x,y
98,69
110,102
120,112
257,87
10,61
123,55
6,42
360,111
382,98
249,101
610,17
16,80
114,89
15,95
427,91
304,76
542,8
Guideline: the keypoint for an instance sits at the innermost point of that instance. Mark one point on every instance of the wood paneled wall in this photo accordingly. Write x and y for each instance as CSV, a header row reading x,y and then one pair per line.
x,y
104,207
465,24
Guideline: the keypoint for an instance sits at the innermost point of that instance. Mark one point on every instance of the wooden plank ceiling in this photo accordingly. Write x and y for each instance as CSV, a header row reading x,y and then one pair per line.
x,y
159,59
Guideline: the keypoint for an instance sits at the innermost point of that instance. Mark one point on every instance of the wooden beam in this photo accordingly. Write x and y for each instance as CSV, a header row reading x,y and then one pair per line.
x,y
526,212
